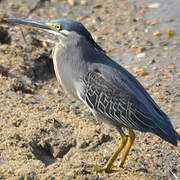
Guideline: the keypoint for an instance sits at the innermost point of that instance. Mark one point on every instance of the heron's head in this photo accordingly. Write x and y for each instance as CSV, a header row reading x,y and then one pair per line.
x,y
63,28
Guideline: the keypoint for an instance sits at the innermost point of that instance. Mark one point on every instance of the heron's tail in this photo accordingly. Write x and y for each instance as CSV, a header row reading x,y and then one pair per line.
x,y
169,138
178,136
165,130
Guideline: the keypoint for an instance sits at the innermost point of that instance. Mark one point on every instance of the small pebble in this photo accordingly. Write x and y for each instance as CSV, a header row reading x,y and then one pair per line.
x,y
141,55
141,49
142,170
157,33
97,6
55,1
154,68
71,2
153,22
140,70
154,5
161,97
44,44
144,73
84,2
29,96
47,92
57,91
169,32
152,61
158,54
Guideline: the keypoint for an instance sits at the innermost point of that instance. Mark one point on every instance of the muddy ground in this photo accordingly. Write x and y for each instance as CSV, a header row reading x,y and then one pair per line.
x,y
44,134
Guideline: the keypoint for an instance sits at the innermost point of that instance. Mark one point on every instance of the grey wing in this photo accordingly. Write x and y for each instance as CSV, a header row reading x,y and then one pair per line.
x,y
114,100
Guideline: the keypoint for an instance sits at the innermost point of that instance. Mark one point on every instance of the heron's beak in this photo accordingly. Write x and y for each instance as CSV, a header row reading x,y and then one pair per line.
x,y
38,24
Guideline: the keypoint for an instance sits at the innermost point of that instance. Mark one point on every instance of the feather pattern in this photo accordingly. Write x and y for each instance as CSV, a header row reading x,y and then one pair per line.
x,y
114,102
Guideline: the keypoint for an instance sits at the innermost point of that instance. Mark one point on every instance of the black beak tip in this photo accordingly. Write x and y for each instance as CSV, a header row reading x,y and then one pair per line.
x,y
3,20
28,22
13,20
8,20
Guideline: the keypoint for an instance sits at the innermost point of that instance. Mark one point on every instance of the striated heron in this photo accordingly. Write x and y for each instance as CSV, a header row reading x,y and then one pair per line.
x,y
111,93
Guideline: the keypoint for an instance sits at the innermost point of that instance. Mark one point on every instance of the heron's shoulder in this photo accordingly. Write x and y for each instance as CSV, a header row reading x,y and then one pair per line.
x,y
122,79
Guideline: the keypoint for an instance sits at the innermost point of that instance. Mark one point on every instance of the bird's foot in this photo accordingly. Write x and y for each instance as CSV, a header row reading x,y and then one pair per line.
x,y
99,169
92,169
106,168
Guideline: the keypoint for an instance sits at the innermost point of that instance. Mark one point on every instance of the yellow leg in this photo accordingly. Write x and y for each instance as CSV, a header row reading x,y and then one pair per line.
x,y
110,162
130,141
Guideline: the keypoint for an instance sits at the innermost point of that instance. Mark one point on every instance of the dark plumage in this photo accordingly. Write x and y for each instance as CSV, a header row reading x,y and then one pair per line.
x,y
110,91
116,98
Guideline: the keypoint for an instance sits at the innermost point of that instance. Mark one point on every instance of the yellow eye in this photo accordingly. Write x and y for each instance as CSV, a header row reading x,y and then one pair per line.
x,y
58,27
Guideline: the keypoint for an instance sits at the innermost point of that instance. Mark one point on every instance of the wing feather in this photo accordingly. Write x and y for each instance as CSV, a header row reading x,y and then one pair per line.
x,y
113,102
112,91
